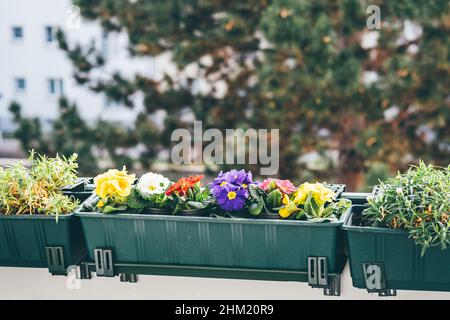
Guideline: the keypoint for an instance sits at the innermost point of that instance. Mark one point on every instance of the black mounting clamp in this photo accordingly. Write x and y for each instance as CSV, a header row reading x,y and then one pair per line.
x,y
83,272
318,276
334,288
103,263
375,276
128,277
55,260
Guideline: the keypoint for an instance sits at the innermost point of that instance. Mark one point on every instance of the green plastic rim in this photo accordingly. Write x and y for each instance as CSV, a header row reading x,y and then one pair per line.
x,y
347,226
86,211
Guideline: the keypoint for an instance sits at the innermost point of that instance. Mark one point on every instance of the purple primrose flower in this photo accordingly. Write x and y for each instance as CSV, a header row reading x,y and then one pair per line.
x,y
230,189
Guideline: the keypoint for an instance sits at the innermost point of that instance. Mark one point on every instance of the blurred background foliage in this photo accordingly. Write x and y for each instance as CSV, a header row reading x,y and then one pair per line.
x,y
296,65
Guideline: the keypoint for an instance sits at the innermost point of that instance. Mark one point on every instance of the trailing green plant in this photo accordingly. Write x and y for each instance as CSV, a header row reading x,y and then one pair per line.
x,y
417,201
37,190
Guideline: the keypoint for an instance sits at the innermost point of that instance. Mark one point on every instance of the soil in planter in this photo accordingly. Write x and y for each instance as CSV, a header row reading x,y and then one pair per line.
x,y
357,220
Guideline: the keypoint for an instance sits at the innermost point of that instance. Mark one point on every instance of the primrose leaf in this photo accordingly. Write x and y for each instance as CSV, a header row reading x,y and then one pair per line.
x,y
135,200
312,208
256,208
112,209
274,198
195,205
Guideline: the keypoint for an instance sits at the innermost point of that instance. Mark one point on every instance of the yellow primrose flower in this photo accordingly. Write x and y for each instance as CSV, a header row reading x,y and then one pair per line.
x,y
114,184
323,194
288,207
320,193
100,204
302,193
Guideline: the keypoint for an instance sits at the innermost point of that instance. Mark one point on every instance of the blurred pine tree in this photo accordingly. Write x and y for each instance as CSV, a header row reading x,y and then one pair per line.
x,y
297,65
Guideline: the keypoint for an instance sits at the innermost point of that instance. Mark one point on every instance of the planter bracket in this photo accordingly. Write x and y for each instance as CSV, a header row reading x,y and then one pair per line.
x,y
318,277
318,272
55,260
104,263
387,293
334,289
83,272
128,277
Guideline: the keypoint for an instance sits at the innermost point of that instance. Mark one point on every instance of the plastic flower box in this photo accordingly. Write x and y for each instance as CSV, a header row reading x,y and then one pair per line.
x,y
213,246
38,241
383,260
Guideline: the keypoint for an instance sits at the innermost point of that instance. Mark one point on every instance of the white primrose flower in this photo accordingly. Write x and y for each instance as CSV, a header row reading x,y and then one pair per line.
x,y
152,183
399,190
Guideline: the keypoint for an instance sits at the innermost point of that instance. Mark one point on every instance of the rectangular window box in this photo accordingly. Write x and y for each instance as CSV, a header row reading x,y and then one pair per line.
x,y
38,241
383,259
208,246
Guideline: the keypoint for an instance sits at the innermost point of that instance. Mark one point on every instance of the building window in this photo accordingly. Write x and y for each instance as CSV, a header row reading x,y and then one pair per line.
x,y
17,33
49,34
20,84
55,86
104,44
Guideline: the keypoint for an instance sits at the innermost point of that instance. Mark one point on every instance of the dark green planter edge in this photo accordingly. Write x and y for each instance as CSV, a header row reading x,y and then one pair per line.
x,y
386,235
81,212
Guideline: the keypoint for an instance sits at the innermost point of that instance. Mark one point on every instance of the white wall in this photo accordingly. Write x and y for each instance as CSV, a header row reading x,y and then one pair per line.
x,y
36,60
17,283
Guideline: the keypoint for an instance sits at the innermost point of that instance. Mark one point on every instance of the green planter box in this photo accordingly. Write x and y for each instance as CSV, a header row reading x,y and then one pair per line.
x,y
386,259
38,241
216,247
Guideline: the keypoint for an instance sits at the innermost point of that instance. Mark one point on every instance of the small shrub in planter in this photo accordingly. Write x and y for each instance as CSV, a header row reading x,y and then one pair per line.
x,y
35,214
404,230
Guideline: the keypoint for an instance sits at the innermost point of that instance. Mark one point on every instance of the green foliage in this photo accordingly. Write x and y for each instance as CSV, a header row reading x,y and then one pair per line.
x,y
29,131
38,190
197,197
376,173
114,209
296,65
417,201
274,199
137,202
316,213
70,134
256,202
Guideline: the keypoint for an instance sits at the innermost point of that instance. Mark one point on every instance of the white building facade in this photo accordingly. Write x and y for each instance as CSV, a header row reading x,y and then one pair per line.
x,y
35,72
